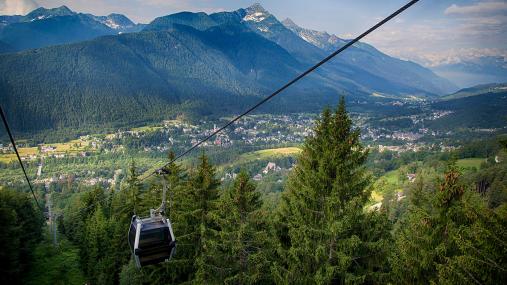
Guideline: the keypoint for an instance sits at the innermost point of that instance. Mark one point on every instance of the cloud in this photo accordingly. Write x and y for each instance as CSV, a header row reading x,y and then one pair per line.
x,y
432,43
481,8
17,7
459,33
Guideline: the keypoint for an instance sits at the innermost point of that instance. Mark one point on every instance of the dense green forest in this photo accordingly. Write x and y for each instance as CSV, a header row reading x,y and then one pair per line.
x,y
444,228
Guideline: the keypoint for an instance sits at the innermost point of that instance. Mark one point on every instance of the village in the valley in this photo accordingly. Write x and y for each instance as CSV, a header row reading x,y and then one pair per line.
x,y
260,131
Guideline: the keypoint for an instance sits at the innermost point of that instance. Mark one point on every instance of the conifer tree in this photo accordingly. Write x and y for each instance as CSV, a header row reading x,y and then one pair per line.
x,y
244,241
449,236
202,230
130,274
133,186
95,243
178,209
324,232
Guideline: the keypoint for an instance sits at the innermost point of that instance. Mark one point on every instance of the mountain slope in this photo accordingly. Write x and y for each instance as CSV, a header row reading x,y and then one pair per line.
x,y
362,69
4,47
186,63
485,110
478,90
267,25
130,78
118,22
52,31
370,59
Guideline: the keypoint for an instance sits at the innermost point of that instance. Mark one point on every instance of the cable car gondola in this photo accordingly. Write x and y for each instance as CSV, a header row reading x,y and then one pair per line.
x,y
152,239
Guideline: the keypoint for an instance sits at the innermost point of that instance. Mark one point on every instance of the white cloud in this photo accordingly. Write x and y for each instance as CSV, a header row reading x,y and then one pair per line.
x,y
465,33
481,8
17,7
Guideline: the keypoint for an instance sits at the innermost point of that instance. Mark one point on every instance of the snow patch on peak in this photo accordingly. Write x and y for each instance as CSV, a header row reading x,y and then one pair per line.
x,y
263,29
114,21
317,38
42,17
255,13
255,17
110,23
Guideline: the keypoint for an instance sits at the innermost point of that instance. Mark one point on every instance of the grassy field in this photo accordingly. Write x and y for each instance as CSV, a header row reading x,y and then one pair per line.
x,y
266,153
246,157
470,162
389,181
23,152
146,129
263,154
6,158
71,147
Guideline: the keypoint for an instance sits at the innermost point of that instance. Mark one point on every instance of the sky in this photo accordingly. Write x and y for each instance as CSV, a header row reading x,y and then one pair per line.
x,y
433,32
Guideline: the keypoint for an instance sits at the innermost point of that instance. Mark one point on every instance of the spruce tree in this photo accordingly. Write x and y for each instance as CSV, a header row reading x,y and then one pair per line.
x,y
95,244
202,230
244,241
133,187
178,209
449,236
324,232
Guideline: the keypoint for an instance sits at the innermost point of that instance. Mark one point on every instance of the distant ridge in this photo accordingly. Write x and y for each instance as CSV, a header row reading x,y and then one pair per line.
x,y
46,27
478,90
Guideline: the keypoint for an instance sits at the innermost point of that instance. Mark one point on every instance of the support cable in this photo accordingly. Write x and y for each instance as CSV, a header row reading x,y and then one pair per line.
x,y
4,119
296,79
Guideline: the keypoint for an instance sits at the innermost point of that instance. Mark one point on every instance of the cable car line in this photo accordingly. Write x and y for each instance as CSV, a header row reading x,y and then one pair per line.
x,y
151,239
358,38
146,249
308,71
4,119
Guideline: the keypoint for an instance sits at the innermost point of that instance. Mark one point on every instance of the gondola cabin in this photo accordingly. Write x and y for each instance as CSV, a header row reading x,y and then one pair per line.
x,y
151,240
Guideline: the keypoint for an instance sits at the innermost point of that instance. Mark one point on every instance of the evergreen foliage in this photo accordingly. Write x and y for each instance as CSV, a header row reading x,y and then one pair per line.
x,y
244,243
55,265
204,231
445,228
326,235
21,224
449,236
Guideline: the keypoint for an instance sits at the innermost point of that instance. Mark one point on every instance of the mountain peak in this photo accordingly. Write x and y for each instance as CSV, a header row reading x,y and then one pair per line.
x,y
257,7
42,13
289,23
63,9
256,13
120,19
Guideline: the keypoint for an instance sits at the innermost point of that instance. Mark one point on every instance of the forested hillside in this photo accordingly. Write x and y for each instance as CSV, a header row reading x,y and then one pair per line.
x,y
478,90
484,110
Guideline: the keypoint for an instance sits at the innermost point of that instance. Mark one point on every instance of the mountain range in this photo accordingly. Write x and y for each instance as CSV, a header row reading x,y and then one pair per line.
x,y
79,70
45,27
